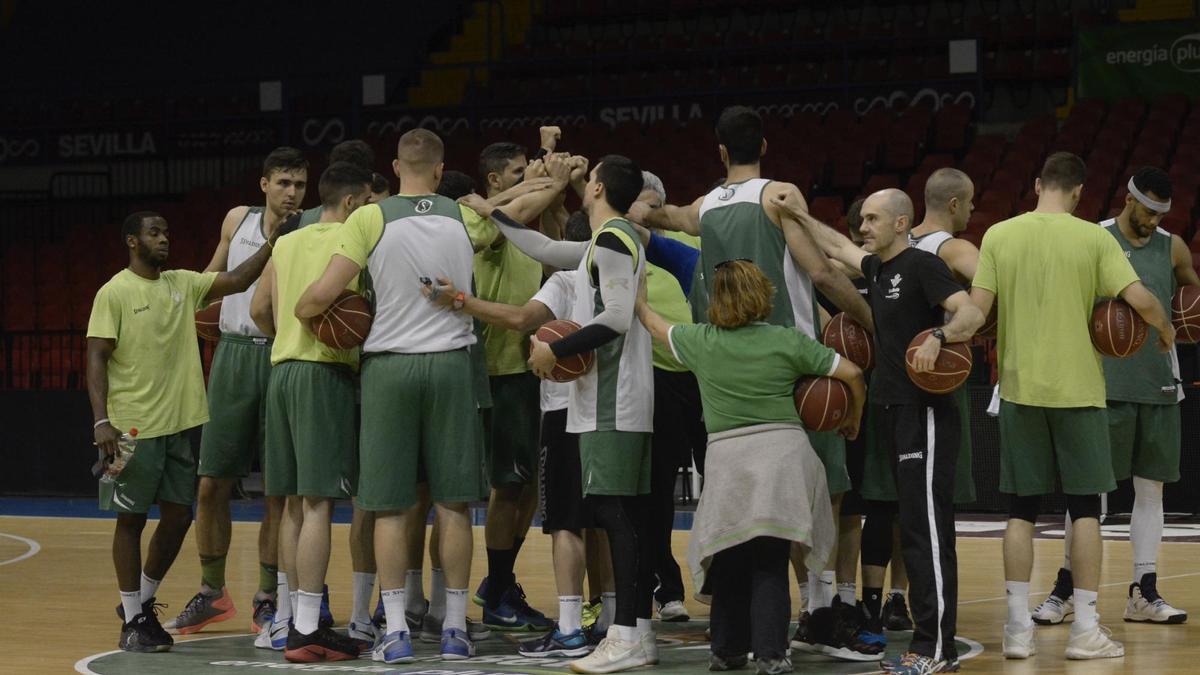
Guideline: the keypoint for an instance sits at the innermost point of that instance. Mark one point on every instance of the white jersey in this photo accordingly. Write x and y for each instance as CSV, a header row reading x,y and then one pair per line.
x,y
617,394
558,295
247,239
930,243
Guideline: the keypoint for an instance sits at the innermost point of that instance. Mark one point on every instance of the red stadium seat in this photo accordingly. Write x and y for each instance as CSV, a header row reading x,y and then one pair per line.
x,y
881,181
827,209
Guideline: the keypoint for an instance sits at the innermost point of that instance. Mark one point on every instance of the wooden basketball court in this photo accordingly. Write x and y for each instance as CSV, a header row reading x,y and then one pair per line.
x,y
58,597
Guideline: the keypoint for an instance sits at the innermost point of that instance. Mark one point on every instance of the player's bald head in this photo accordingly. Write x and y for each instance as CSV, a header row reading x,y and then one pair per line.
x,y
895,203
420,149
944,185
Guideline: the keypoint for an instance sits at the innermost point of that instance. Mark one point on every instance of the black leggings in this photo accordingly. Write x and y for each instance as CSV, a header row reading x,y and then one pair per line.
x,y
877,533
626,521
751,603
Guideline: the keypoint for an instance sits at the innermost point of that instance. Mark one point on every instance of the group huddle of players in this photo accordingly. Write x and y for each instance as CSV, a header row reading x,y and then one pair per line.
x,y
449,400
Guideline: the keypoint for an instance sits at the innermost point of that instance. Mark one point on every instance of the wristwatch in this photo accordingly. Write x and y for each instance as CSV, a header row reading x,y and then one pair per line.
x,y
460,299
937,333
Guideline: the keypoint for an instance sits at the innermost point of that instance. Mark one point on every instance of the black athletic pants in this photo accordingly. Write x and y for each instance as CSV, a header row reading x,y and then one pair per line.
x,y
925,441
678,435
751,602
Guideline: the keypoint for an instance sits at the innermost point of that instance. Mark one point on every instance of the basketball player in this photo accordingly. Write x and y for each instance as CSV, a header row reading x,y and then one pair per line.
x,y
679,431
312,438
611,406
144,373
1143,395
740,219
505,275
237,387
357,152
380,190
910,291
1046,268
416,384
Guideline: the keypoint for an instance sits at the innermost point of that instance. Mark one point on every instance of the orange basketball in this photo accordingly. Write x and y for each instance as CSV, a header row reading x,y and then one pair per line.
x,y
1185,314
346,323
570,367
208,322
823,402
950,370
1117,330
847,337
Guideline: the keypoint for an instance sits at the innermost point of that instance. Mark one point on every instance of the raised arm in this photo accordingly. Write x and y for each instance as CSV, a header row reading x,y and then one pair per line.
x,y
1181,260
241,277
675,257
669,217
1144,303
99,351
321,293
262,304
220,258
560,254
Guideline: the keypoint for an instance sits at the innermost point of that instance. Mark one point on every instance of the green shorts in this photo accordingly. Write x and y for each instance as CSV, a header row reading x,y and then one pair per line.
x,y
1039,445
419,409
162,469
831,448
1145,440
237,395
879,483
512,443
312,433
615,462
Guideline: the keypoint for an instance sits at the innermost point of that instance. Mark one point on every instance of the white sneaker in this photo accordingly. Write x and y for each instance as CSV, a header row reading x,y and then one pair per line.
x,y
649,641
612,655
1093,643
1150,608
1054,610
673,611
1019,642
274,636
365,634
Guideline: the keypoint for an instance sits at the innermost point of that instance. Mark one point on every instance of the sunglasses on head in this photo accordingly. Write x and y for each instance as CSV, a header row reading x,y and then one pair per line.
x,y
730,261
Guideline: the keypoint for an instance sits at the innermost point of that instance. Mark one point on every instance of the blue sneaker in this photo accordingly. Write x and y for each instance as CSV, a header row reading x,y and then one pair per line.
x,y
509,618
456,646
379,618
393,648
326,620
876,638
480,593
555,643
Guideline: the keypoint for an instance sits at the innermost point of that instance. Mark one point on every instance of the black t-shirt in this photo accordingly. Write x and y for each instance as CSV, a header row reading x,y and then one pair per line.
x,y
906,294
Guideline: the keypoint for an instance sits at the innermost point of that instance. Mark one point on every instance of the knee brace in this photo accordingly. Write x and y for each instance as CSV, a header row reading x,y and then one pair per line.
x,y
1025,508
1083,506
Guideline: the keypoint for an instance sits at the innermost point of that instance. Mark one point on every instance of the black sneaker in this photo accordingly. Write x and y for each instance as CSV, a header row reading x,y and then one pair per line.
x,y
144,634
723,663
895,613
321,645
851,642
151,608
802,640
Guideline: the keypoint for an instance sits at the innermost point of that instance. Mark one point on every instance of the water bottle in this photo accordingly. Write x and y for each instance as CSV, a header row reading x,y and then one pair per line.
x,y
125,447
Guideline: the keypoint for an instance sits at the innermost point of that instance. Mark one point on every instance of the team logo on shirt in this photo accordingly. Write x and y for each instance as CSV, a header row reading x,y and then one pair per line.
x,y
424,205
894,293
177,298
727,193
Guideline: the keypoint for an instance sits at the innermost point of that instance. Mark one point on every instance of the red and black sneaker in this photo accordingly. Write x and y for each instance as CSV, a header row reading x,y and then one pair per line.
x,y
321,645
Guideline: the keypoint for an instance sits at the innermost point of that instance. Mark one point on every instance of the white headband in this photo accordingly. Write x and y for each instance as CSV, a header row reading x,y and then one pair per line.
x,y
1153,205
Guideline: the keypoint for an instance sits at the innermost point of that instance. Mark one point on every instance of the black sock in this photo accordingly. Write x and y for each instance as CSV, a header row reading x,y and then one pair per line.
x,y
518,542
873,601
500,575
1064,585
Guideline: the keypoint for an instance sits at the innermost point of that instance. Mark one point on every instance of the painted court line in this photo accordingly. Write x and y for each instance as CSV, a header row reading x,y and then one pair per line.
x,y
34,547
1109,585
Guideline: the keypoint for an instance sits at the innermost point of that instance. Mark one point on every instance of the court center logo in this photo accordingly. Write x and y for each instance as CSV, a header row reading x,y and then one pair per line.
x,y
424,205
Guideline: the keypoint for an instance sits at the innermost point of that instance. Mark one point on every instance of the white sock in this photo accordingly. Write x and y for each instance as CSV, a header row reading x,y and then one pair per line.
x,y
456,609
1018,603
393,610
608,609
437,594
1067,541
570,613
1086,615
150,586
283,598
625,633
644,627
820,588
848,593
897,591
308,612
804,595
131,602
364,583
414,592
1146,526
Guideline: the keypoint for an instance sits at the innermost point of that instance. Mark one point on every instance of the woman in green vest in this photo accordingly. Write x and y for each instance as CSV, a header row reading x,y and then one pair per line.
x,y
764,486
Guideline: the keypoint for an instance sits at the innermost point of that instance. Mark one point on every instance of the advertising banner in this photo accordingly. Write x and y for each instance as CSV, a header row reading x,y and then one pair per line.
x,y
1139,59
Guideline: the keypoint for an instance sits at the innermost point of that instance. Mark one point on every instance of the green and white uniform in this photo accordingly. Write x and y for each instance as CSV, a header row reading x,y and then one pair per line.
x,y
1143,390
155,382
310,217
733,225
241,371
418,400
